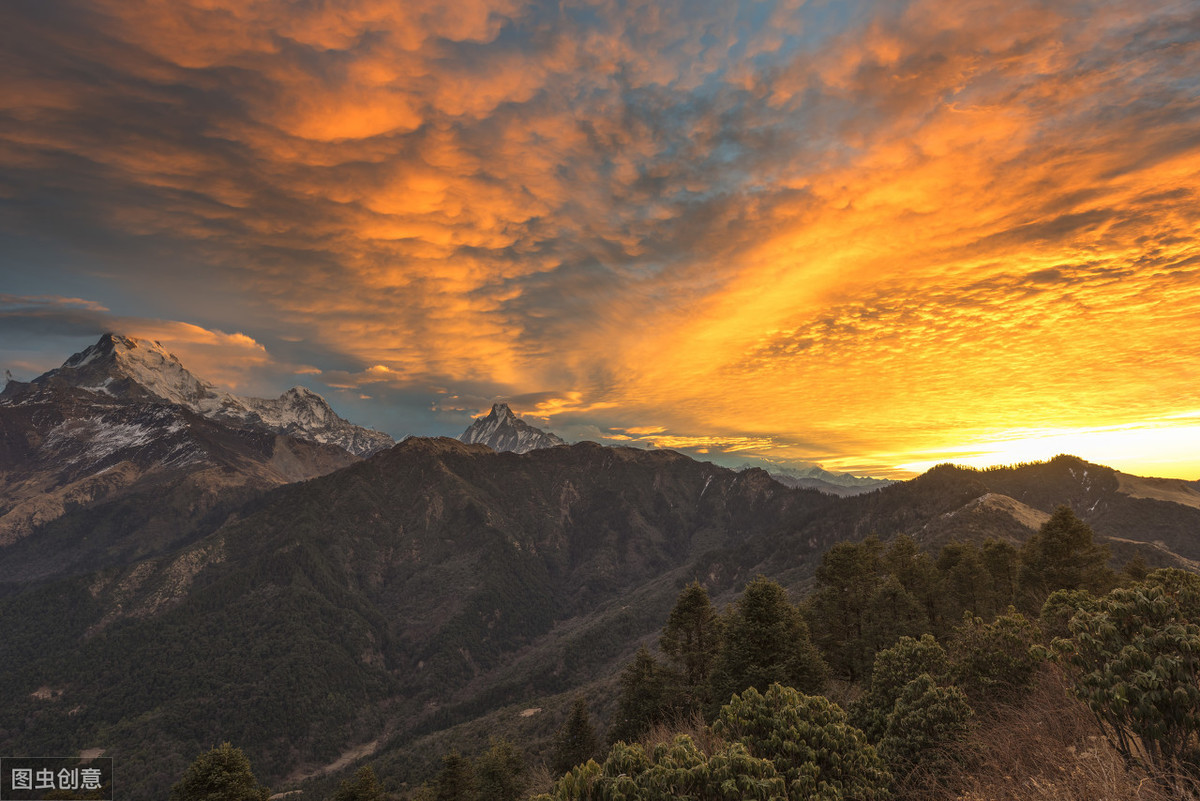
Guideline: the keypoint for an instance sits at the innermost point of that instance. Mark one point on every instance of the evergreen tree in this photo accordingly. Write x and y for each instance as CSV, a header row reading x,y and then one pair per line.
x,y
809,741
1000,559
456,780
576,741
915,571
691,642
846,580
363,787
965,583
643,698
223,774
894,668
766,641
1135,660
499,773
892,613
1135,569
1062,556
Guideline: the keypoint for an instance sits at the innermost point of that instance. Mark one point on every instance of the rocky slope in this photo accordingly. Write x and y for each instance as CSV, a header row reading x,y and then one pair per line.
x,y
126,368
122,453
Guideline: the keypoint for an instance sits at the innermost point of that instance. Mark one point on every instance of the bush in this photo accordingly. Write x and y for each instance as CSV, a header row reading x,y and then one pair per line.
x,y
674,771
223,774
996,662
1135,661
925,719
809,741
895,667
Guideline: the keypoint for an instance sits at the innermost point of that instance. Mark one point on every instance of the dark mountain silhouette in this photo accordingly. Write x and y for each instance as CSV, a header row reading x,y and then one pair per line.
x,y
437,582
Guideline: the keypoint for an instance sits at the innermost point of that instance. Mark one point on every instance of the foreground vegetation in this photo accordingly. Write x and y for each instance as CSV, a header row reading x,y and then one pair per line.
x,y
986,672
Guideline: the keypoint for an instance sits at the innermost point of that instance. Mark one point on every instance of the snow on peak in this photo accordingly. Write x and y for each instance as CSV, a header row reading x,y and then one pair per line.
x,y
128,367
502,430
138,369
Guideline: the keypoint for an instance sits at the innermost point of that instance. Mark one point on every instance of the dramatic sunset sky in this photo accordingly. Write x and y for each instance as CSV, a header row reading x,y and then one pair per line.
x,y
871,235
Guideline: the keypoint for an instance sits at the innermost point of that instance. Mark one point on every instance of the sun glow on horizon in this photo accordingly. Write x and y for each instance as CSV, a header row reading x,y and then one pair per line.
x,y
1166,448
879,238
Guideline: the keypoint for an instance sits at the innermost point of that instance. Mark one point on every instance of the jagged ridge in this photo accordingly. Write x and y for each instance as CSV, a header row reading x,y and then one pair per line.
x,y
137,369
501,430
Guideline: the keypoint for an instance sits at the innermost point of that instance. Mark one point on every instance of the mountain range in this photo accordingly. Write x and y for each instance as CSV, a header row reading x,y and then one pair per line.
x,y
140,370
814,477
121,453
349,607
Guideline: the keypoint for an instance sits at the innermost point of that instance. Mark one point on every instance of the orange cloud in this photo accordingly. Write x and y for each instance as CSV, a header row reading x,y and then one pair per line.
x,y
854,237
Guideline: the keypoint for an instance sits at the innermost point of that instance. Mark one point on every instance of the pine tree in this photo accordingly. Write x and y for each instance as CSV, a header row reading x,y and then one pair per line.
x,y
965,582
223,774
1062,556
499,773
363,787
1000,559
766,641
892,613
643,698
576,741
456,781
847,578
915,571
691,641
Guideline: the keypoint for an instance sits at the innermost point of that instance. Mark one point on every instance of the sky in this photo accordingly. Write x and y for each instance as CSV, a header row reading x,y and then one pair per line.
x,y
873,236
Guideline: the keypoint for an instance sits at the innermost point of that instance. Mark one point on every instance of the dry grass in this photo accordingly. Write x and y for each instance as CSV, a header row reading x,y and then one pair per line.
x,y
692,725
539,779
1047,748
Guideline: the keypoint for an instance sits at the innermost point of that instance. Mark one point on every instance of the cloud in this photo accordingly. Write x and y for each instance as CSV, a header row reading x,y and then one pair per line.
x,y
854,229
232,361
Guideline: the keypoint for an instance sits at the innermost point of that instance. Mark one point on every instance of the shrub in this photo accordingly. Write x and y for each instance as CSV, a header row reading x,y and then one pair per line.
x,y
1135,661
223,774
925,719
809,741
894,668
995,662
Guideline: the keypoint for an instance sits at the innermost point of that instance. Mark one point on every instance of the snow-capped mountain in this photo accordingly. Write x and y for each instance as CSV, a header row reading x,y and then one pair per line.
x,y
501,430
138,369
122,453
843,484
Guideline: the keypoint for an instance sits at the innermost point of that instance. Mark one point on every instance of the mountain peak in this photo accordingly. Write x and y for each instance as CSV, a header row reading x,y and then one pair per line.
x,y
130,369
501,430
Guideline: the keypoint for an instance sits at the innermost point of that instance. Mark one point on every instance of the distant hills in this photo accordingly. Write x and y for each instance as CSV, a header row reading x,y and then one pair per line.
x,y
826,481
